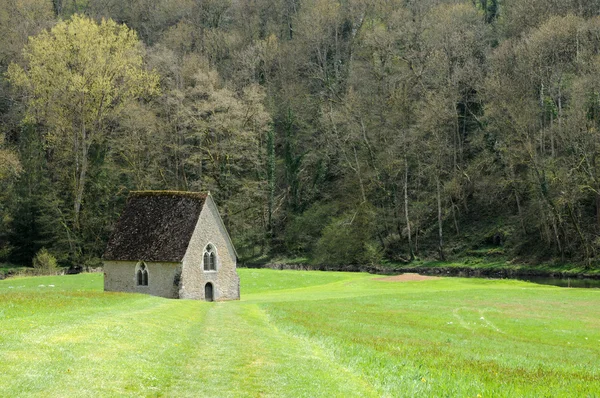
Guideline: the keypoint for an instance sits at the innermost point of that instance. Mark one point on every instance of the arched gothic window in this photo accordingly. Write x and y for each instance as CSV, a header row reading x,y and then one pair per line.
x,y
142,275
210,258
206,261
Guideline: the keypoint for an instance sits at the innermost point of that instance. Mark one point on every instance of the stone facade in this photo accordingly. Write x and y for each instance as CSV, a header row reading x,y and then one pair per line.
x,y
186,278
163,278
225,280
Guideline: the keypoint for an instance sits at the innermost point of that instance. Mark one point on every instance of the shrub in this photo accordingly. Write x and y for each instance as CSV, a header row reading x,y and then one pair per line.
x,y
303,231
45,263
349,239
92,263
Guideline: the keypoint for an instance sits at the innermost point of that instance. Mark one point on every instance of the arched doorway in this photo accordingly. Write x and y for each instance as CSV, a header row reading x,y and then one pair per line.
x,y
208,292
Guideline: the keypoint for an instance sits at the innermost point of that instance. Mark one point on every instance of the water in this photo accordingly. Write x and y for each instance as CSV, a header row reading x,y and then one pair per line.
x,y
566,282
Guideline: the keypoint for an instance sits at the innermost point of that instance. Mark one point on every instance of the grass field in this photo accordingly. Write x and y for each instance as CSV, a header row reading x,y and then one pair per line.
x,y
301,334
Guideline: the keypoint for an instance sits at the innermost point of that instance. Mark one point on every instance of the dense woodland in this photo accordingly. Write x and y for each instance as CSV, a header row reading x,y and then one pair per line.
x,y
343,132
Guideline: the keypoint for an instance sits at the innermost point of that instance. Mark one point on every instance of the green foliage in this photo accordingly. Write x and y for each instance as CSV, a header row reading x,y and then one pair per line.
x,y
349,239
447,116
33,216
303,231
45,263
77,76
83,67
10,167
20,19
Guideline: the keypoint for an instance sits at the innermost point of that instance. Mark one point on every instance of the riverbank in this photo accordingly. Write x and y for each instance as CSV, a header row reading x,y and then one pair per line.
x,y
465,268
501,270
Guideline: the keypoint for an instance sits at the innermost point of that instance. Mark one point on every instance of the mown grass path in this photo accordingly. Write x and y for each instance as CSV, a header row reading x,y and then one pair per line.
x,y
301,334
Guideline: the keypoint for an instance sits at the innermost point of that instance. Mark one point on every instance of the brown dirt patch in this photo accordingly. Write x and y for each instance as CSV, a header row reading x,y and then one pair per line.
x,y
407,277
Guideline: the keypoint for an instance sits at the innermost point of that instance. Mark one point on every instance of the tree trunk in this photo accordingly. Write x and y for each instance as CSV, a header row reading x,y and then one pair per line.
x,y
440,229
598,208
57,6
406,215
270,177
543,121
453,208
557,237
360,181
80,183
580,234
520,211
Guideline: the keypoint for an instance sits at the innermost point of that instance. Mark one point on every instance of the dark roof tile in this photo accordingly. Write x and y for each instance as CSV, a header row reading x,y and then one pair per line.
x,y
155,226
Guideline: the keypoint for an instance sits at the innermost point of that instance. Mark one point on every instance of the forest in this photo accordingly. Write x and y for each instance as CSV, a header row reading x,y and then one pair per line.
x,y
335,131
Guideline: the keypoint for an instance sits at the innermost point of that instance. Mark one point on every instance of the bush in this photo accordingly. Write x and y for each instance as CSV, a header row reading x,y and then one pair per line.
x,y
4,253
303,231
349,239
92,263
44,263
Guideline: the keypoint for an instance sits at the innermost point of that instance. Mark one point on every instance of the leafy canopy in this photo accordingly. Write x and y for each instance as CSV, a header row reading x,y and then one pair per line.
x,y
79,71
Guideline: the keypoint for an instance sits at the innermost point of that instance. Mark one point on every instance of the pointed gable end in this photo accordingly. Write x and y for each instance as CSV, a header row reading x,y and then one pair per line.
x,y
155,226
211,202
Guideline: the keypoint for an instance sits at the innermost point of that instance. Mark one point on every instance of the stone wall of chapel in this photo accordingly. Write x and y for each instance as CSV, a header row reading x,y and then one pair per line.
x,y
163,278
225,280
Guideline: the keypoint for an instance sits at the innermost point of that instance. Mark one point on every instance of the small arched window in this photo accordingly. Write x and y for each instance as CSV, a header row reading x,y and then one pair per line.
x,y
142,275
206,261
213,261
210,258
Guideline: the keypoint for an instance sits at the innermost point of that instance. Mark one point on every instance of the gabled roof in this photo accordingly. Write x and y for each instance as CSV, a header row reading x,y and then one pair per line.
x,y
155,226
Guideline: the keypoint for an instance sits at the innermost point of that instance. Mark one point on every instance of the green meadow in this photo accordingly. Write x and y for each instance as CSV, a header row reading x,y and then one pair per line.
x,y
301,334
